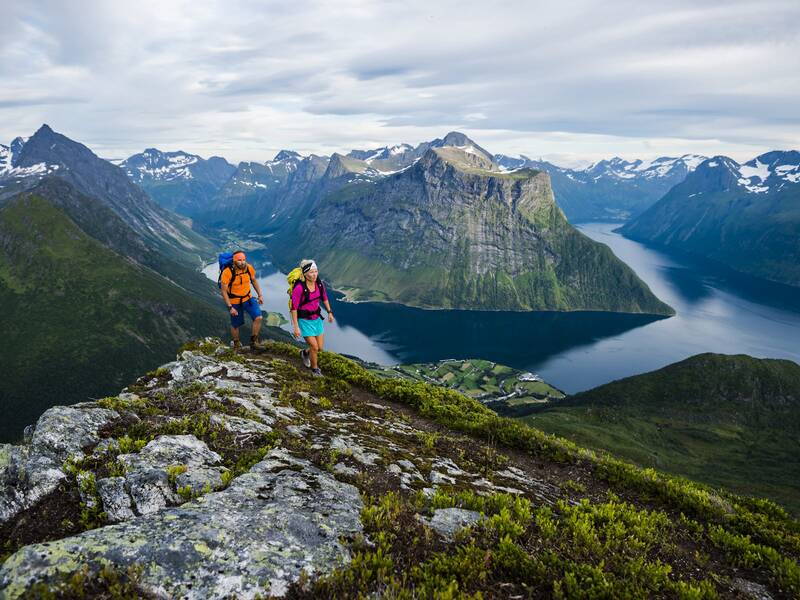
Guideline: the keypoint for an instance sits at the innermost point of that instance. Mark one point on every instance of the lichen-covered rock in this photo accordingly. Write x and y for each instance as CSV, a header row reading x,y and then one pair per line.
x,y
29,473
115,498
63,431
25,478
147,482
191,366
255,537
750,589
348,445
150,490
168,450
343,469
447,521
239,425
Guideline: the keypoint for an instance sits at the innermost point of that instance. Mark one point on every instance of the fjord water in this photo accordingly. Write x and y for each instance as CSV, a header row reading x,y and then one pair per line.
x,y
717,311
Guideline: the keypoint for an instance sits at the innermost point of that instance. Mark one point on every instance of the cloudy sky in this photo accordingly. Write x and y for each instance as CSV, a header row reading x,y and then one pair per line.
x,y
571,81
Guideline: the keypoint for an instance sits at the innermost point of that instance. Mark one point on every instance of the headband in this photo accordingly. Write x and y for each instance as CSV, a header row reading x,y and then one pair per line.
x,y
308,266
235,254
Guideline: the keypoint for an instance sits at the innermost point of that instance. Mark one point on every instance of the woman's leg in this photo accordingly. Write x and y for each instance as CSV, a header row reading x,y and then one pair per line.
x,y
320,342
313,348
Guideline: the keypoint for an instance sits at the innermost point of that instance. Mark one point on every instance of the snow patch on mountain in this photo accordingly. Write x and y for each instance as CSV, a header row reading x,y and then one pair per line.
x,y
153,164
470,149
757,170
8,162
790,173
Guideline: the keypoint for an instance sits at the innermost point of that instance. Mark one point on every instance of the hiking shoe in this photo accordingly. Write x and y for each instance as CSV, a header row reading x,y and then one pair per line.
x,y
305,358
255,344
236,344
317,373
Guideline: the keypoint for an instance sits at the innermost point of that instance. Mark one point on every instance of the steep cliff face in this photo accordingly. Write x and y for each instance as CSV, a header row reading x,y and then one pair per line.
x,y
238,475
451,231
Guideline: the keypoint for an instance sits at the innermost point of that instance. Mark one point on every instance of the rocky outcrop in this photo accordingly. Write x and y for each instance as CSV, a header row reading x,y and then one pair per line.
x,y
30,473
283,518
183,511
146,488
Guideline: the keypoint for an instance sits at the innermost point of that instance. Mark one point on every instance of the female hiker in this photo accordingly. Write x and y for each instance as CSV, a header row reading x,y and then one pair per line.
x,y
307,295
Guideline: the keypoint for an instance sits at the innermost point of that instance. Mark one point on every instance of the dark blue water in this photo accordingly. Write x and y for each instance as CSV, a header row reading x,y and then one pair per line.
x,y
717,311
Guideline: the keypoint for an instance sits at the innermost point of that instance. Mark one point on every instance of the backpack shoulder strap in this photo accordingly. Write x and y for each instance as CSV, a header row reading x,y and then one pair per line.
x,y
231,268
300,282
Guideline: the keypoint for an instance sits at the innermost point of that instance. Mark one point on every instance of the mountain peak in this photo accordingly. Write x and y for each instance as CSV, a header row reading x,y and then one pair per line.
x,y
44,129
456,138
286,155
17,143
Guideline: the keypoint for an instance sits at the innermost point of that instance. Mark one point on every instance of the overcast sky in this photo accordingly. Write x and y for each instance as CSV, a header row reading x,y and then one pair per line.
x,y
570,81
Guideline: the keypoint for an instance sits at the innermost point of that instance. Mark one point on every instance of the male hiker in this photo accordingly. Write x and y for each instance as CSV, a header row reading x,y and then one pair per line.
x,y
235,282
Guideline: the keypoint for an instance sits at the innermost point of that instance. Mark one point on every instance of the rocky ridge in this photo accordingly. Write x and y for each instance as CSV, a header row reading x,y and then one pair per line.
x,y
228,475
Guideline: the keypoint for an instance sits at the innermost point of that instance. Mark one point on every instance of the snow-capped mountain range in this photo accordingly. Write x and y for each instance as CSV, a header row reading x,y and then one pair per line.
x,y
51,160
164,166
183,182
155,165
614,189
773,171
391,159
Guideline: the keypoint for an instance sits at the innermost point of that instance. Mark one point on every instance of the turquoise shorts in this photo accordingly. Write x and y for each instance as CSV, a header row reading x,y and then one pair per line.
x,y
310,327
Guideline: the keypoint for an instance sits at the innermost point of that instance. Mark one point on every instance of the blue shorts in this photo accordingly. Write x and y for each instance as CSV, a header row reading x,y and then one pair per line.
x,y
311,327
251,307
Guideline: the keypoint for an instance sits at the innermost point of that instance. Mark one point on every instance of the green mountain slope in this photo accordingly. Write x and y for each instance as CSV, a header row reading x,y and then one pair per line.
x,y
452,231
79,319
725,420
750,223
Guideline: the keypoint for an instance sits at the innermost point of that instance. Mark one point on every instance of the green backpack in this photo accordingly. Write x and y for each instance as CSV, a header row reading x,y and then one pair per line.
x,y
295,278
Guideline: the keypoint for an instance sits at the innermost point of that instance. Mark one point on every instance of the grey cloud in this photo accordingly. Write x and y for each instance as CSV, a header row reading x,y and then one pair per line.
x,y
321,74
40,101
378,71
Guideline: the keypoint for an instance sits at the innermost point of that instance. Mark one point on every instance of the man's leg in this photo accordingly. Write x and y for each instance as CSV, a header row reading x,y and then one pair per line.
x,y
254,343
236,323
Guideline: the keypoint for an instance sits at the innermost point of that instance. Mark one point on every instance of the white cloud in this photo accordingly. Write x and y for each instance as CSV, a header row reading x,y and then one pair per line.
x,y
577,80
